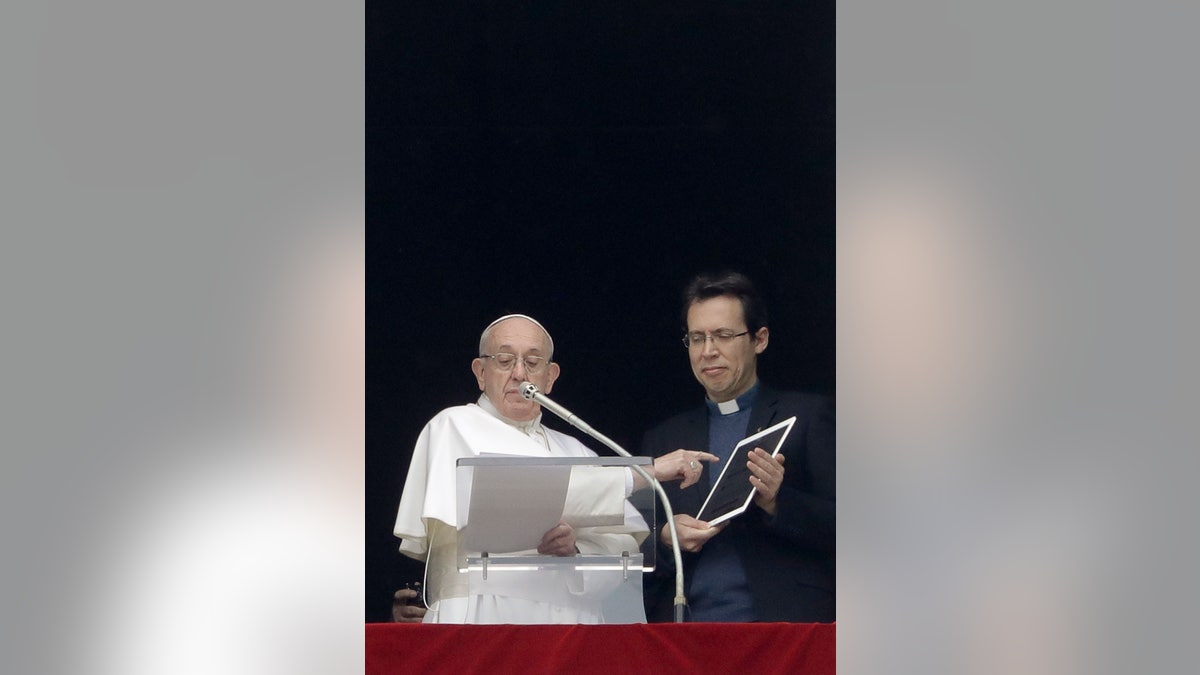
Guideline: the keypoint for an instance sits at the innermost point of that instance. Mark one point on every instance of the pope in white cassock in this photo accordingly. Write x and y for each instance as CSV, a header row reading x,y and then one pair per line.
x,y
513,349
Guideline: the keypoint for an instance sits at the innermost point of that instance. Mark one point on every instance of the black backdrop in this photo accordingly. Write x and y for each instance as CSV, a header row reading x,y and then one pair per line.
x,y
580,164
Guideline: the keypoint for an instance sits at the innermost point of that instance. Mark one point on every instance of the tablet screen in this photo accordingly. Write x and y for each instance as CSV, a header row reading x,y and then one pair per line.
x,y
732,492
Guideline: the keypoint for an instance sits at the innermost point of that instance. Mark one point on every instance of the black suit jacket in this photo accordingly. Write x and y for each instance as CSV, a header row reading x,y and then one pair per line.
x,y
788,558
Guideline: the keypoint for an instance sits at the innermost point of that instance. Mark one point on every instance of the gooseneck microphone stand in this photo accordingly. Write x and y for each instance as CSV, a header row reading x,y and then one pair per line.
x,y
530,391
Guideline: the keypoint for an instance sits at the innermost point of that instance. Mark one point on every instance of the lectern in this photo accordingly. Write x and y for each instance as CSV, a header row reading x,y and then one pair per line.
x,y
506,504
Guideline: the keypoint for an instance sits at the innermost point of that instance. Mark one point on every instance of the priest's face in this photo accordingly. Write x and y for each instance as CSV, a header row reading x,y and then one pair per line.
x,y
522,339
727,367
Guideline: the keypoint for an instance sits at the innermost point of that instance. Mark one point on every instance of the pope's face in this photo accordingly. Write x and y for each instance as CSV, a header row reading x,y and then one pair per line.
x,y
726,371
519,337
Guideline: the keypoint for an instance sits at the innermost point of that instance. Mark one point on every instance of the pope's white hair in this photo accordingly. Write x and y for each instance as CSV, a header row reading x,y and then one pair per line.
x,y
487,332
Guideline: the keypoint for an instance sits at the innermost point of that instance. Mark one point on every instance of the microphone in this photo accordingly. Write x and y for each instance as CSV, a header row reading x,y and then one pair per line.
x,y
530,392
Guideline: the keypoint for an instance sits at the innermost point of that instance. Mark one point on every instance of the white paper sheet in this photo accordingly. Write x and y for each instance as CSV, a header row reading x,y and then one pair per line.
x,y
510,508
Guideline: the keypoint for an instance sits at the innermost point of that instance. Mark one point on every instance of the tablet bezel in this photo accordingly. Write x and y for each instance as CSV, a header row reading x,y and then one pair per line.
x,y
741,453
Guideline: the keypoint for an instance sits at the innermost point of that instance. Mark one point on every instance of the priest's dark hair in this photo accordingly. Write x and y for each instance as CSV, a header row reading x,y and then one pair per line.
x,y
716,284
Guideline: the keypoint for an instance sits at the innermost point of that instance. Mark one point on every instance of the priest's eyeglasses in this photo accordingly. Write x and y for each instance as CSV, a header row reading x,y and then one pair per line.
x,y
506,362
719,338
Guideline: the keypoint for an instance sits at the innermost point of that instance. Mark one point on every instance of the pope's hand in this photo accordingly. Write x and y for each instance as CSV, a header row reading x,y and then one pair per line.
x,y
685,465
559,540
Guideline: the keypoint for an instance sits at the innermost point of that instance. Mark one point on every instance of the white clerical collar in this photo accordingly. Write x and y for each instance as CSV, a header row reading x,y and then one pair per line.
x,y
728,407
746,400
527,427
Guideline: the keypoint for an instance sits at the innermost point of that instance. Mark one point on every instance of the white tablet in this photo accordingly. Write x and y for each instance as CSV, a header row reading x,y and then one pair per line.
x,y
732,492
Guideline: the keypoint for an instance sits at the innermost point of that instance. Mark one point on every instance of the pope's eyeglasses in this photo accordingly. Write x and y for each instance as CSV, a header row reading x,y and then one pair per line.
x,y
506,362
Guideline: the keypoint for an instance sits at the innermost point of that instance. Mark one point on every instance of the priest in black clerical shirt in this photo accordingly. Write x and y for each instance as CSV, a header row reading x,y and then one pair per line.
x,y
775,561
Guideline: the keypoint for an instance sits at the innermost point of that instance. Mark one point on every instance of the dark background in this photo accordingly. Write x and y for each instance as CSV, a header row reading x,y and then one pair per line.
x,y
580,164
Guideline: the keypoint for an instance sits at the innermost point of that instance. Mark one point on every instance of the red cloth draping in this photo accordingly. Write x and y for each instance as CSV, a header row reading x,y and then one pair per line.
x,y
757,648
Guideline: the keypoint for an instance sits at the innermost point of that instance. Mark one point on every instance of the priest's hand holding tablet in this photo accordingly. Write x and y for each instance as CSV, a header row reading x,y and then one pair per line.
x,y
766,475
693,534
